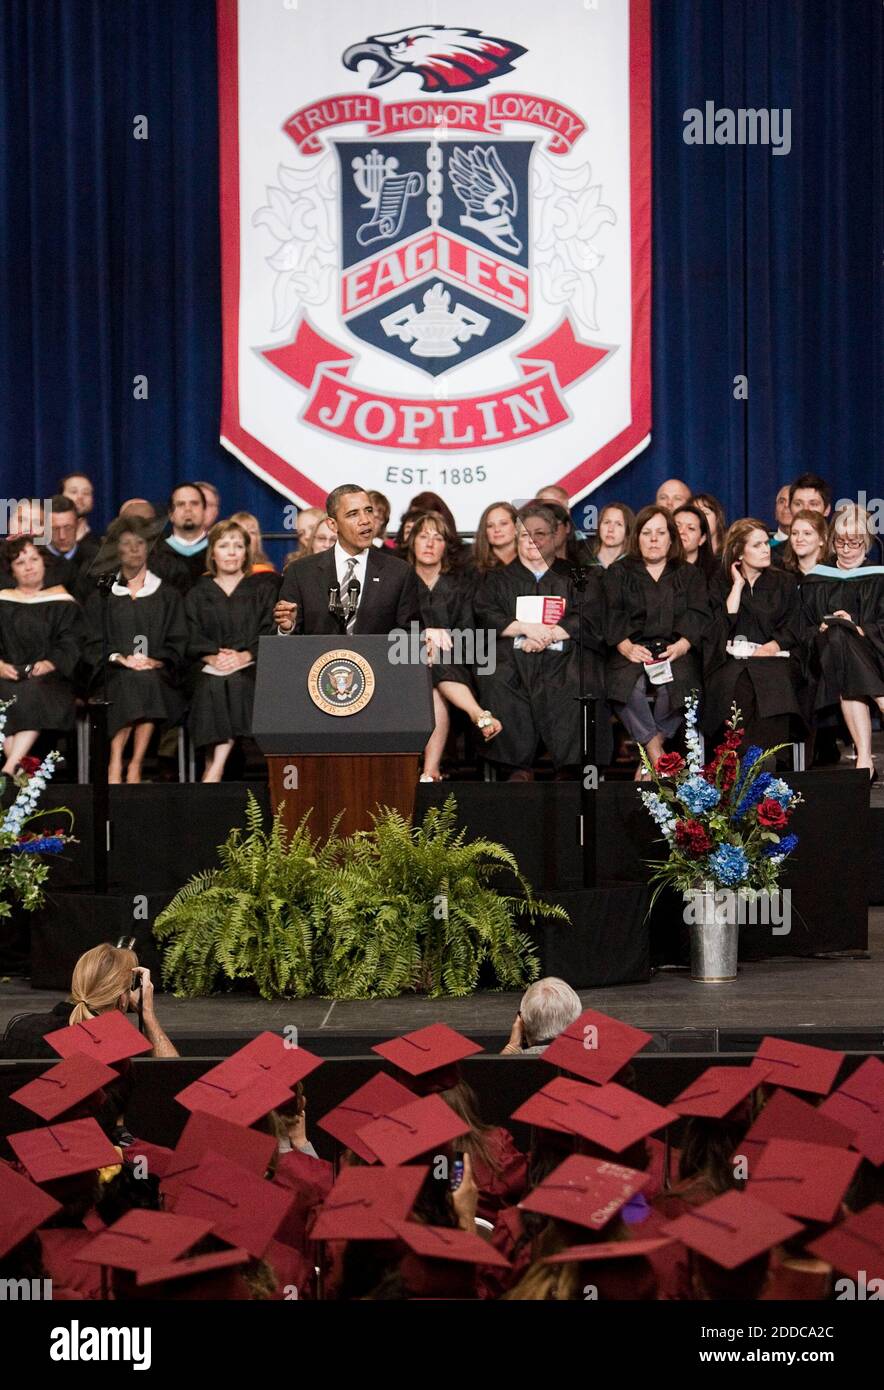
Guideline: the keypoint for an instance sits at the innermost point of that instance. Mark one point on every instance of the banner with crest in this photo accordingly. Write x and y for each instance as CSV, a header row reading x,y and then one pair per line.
x,y
436,245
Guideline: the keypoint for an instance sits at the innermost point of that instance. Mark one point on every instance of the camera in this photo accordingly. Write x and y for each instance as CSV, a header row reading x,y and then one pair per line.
x,y
136,980
656,646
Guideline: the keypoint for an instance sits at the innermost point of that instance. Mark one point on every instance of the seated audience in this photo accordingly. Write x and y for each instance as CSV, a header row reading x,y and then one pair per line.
x,y
657,611
227,611
212,500
843,607
810,493
548,1007
381,506
808,543
672,493
495,543
188,540
782,516
40,638
445,609
616,523
79,489
753,648
696,538
136,639
714,514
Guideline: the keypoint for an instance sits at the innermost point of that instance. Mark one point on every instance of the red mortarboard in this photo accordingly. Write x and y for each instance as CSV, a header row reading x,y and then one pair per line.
x,y
448,1243
365,1202
192,1265
804,1180
379,1096
108,1038
65,1085
205,1133
309,1180
595,1046
23,1207
608,1250
732,1229
859,1104
798,1066
235,1091
586,1191
274,1056
61,1151
785,1116
156,1156
414,1129
243,1209
141,1239
427,1049
608,1115
856,1245
718,1091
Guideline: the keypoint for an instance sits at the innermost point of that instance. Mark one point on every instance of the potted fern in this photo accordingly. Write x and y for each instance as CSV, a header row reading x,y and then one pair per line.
x,y
254,917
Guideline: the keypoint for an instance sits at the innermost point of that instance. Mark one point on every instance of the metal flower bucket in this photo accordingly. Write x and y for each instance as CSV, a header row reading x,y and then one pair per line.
x,y
714,938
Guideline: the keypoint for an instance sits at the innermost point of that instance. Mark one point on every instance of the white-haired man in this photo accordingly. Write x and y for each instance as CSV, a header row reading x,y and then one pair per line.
x,y
547,1008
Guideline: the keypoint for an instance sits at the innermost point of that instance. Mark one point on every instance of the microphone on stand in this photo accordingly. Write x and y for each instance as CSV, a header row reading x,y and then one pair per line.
x,y
354,588
334,601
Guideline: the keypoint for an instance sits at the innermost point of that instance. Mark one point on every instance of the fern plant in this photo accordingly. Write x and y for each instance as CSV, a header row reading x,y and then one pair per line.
x,y
414,908
254,917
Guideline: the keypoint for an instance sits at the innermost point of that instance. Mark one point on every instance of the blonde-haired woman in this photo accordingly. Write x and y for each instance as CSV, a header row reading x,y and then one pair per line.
x,y
843,605
102,980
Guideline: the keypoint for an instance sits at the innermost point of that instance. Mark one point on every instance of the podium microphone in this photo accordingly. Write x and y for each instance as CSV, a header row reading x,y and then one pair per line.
x,y
354,589
334,601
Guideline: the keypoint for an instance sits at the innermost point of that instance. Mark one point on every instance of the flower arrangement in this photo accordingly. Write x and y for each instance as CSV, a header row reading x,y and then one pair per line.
x,y
726,823
22,871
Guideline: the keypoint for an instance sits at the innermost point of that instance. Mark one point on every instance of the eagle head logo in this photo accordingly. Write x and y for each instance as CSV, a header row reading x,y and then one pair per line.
x,y
447,59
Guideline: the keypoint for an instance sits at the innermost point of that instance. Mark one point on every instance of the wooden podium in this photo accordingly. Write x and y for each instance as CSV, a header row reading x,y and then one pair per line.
x,y
341,727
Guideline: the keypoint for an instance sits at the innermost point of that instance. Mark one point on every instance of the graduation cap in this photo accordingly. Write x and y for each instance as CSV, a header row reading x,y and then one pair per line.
x,y
243,1209
64,1086
448,1243
271,1054
785,1116
143,1238
62,1151
718,1090
608,1250
157,1157
799,1066
608,1115
23,1208
596,1046
413,1129
377,1097
236,1091
192,1267
365,1203
859,1104
585,1191
429,1053
107,1038
732,1229
205,1133
855,1245
800,1179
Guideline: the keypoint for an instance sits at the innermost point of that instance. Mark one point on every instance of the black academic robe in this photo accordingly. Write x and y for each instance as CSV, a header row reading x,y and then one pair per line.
x,y
48,628
172,567
534,694
448,605
769,612
843,664
221,706
154,625
642,609
389,599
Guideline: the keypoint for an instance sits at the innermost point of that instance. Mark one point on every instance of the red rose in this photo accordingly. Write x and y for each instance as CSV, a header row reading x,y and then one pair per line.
x,y
28,764
692,837
669,765
771,814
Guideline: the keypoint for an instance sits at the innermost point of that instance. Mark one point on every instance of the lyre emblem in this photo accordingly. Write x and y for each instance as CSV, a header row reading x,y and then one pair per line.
x,y
386,194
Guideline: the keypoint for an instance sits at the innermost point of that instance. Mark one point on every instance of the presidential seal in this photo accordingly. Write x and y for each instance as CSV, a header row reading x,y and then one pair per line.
x,y
340,682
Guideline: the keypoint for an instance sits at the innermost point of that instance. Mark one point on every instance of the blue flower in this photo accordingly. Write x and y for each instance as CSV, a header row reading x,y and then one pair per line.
x,y
757,790
659,811
729,864
780,791
698,795
779,851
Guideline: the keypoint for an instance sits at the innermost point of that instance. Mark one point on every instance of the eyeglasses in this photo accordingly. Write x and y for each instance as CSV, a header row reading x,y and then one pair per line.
x,y
536,536
849,543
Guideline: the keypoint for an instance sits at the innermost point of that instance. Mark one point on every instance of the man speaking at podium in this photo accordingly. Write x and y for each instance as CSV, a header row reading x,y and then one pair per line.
x,y
355,587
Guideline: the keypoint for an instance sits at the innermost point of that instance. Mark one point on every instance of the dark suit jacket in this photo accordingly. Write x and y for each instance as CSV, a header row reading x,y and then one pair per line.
x,y
389,598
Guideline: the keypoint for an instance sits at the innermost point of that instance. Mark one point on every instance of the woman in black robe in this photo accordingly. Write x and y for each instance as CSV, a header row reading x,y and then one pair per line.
x,y
535,685
449,628
227,611
657,609
146,644
843,608
40,637
756,617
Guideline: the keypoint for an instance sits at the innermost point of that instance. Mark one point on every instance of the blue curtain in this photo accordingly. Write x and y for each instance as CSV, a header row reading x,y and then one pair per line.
x,y
768,266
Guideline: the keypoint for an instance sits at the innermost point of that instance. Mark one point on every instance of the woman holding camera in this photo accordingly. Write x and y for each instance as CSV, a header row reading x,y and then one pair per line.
x,y
657,615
